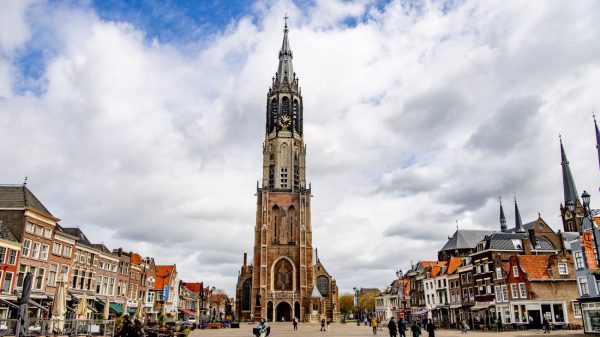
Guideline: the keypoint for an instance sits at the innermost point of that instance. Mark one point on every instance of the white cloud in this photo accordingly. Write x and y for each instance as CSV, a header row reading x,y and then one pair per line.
x,y
415,117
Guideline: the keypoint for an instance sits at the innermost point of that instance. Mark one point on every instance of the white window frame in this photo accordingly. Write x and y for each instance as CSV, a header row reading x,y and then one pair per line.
x,y
44,253
514,290
57,248
68,249
515,271
52,281
563,268
26,249
12,257
39,230
576,309
48,233
522,290
582,281
35,254
30,227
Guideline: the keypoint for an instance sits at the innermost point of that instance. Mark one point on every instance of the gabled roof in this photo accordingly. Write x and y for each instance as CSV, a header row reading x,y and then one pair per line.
x,y
535,266
20,197
193,286
136,258
163,276
101,247
465,239
78,233
316,293
453,265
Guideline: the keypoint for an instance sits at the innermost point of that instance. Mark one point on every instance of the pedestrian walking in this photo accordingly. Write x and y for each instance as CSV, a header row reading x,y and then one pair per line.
x,y
295,323
416,330
463,326
546,326
374,325
431,328
126,329
138,329
322,324
393,327
327,327
402,328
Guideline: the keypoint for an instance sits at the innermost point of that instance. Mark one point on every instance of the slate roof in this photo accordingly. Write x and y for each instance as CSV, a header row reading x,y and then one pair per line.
x,y
5,234
465,239
536,266
20,197
101,247
526,226
513,241
81,238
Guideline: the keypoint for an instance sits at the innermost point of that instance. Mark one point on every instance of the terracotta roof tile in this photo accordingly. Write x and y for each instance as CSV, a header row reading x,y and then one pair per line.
x,y
453,265
506,266
136,258
193,286
536,266
163,276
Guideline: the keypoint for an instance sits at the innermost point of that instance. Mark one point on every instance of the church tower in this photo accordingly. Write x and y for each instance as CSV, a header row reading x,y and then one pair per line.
x,y
571,219
283,279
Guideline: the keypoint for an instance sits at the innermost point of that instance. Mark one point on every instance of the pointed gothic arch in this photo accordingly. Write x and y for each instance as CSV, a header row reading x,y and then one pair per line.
x,y
278,277
285,106
275,218
292,223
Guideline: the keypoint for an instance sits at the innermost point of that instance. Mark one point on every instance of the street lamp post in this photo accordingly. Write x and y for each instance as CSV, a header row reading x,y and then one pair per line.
x,y
587,212
356,312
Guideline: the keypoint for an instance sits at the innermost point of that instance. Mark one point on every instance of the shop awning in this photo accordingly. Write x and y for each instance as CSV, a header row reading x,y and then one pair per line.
x,y
421,312
481,306
455,306
187,312
116,307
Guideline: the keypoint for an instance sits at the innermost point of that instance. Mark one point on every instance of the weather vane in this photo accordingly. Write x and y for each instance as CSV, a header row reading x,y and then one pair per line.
x,y
285,17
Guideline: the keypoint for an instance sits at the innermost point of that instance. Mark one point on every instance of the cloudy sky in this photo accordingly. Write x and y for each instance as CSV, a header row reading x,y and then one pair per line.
x,y
143,123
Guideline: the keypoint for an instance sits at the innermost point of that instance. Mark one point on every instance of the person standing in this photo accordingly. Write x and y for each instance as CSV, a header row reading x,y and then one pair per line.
x,y
374,325
401,328
393,327
126,329
295,323
416,330
463,326
546,326
430,328
322,324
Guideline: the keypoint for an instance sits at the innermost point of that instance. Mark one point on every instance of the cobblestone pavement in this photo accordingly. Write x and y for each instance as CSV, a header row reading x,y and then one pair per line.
x,y
348,330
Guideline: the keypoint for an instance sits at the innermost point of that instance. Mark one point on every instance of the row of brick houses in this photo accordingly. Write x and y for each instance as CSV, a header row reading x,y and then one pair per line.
x,y
512,276
32,240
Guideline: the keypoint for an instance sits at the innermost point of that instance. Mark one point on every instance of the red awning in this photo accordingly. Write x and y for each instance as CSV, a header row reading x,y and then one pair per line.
x,y
188,312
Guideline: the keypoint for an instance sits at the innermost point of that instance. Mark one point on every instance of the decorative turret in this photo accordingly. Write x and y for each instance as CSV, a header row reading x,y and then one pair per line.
x,y
518,223
503,227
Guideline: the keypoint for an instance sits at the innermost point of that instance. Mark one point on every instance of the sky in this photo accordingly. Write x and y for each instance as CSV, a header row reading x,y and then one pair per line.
x,y
142,122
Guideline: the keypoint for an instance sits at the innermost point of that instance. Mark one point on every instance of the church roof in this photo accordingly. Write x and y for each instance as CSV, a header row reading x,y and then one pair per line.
x,y
465,239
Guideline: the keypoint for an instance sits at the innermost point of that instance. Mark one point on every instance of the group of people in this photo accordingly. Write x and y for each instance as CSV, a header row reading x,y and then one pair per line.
x,y
399,328
131,329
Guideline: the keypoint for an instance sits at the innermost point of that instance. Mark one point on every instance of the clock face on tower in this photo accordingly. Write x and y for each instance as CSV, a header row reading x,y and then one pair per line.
x,y
284,122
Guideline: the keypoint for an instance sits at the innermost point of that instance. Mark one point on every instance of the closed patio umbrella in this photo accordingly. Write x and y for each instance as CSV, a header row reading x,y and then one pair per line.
x,y
106,311
59,305
82,307
23,323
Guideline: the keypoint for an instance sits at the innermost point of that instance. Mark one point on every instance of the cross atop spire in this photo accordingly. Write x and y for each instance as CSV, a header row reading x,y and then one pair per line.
x,y
285,17
285,71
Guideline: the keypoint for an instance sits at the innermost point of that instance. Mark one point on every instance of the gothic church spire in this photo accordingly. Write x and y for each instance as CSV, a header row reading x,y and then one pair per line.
x,y
285,71
597,140
518,222
570,192
502,218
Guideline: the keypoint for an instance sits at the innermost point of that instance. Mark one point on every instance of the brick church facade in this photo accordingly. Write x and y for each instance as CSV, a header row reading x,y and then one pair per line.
x,y
284,280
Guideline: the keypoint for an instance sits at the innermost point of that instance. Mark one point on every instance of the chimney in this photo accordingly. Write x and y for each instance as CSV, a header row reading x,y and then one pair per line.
x,y
532,237
526,245
245,258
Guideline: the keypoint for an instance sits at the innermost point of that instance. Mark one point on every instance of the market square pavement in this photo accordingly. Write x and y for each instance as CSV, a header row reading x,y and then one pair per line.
x,y
347,330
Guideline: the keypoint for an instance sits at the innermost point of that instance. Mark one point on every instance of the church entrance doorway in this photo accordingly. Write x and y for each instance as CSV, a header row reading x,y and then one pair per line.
x,y
283,312
297,310
270,312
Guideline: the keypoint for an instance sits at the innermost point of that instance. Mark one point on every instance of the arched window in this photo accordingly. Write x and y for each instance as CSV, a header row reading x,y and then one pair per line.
x,y
323,285
246,294
283,275
285,106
